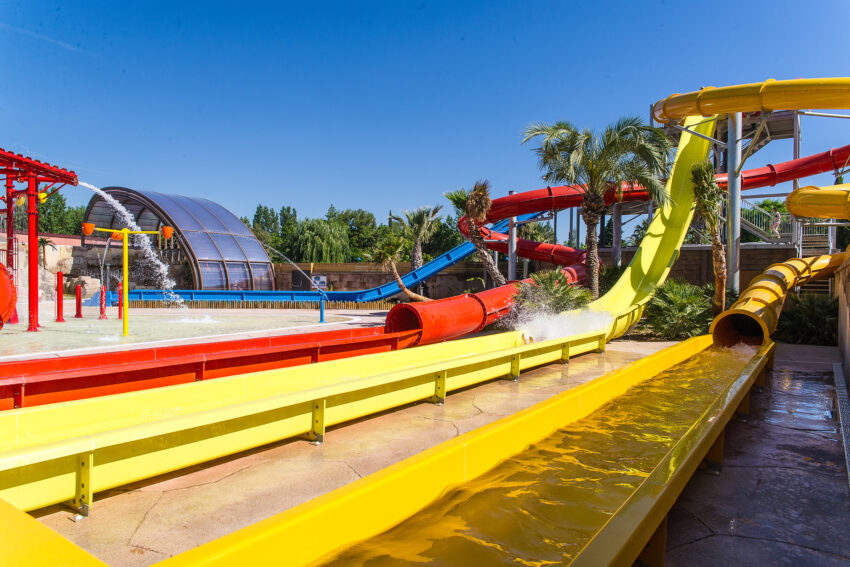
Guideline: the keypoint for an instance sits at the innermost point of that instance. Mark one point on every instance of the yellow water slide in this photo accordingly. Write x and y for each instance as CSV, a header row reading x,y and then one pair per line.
x,y
754,316
67,451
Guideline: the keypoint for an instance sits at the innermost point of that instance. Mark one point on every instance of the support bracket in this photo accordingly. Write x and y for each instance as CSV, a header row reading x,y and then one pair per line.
x,y
514,367
316,435
439,397
83,493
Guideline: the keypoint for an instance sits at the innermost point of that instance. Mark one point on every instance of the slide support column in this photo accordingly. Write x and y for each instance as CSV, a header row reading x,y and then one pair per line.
x,y
733,209
511,246
617,245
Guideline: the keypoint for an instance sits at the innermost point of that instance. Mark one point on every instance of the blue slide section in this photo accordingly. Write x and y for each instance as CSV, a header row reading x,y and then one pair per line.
x,y
384,291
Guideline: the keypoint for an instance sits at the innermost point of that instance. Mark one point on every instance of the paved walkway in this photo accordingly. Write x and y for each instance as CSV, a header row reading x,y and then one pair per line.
x,y
782,495
146,522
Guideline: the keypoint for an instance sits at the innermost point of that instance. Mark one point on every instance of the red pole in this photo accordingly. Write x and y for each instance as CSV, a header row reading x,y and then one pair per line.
x,y
59,299
79,314
32,252
102,302
120,302
10,236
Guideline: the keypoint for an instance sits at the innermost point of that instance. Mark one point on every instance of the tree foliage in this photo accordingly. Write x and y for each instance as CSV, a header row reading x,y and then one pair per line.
x,y
626,152
679,310
320,240
418,226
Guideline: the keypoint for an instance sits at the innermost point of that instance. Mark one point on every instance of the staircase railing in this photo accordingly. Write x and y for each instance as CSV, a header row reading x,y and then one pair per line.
x,y
764,224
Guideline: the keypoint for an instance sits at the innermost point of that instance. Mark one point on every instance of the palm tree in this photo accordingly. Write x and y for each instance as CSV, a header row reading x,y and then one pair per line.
x,y
709,199
43,243
626,152
387,251
475,205
418,226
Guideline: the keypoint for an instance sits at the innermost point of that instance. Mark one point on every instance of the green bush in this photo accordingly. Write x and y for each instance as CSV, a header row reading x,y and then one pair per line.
x,y
608,276
550,293
679,310
809,319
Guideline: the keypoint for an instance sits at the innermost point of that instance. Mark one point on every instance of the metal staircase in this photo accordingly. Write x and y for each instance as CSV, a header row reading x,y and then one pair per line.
x,y
763,223
814,242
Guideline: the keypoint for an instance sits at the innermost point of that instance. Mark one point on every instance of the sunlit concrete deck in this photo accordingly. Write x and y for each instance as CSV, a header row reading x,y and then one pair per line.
x,y
146,522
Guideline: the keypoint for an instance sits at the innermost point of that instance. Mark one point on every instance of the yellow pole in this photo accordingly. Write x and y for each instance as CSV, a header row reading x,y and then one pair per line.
x,y
125,294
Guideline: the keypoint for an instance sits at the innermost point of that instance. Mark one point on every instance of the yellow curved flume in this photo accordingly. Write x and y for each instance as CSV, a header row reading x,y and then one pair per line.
x,y
769,95
753,318
820,202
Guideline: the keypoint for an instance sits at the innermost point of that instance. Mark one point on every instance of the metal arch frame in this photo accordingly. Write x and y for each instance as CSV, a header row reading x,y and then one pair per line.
x,y
145,201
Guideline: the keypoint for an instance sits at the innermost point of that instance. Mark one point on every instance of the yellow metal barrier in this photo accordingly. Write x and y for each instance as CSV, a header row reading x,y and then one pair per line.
x,y
25,541
61,452
753,317
373,504
628,531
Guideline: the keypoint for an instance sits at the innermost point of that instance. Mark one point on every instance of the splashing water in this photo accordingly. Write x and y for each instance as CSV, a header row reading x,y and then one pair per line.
x,y
161,270
538,327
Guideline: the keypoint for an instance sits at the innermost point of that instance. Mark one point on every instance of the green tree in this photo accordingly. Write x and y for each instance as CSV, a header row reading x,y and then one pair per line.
x,y
361,226
318,240
446,236
678,310
475,205
387,252
55,216
708,197
627,151
418,226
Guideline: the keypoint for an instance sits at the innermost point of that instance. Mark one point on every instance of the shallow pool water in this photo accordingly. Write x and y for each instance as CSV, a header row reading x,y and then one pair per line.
x,y
543,505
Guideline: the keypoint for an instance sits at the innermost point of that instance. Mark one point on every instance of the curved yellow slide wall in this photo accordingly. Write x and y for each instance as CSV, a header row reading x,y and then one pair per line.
x,y
753,318
794,94
820,202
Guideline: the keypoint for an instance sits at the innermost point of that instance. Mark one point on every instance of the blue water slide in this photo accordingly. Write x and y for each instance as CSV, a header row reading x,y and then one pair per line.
x,y
384,291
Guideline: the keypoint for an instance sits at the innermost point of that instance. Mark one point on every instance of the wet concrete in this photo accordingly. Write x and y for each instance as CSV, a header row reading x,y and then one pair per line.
x,y
146,522
781,497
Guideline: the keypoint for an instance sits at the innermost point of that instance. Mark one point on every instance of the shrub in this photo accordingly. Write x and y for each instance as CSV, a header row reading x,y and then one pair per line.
x,y
679,310
551,293
810,319
608,276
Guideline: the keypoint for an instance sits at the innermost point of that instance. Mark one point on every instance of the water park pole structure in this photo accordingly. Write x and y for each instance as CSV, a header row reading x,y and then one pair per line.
x,y
123,235
733,201
512,246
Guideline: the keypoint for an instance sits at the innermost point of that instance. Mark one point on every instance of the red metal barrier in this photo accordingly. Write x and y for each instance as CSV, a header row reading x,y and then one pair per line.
x,y
60,298
120,300
79,298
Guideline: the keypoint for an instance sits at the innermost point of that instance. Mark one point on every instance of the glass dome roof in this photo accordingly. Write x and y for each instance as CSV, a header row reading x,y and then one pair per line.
x,y
224,252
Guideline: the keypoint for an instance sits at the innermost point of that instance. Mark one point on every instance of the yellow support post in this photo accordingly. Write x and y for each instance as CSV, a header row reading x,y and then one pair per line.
x,y
317,430
83,496
439,397
515,367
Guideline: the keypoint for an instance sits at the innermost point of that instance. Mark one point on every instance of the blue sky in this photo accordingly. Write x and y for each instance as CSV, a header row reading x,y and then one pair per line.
x,y
379,105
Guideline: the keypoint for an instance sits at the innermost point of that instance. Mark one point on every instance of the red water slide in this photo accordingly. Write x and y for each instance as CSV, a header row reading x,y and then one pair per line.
x,y
48,380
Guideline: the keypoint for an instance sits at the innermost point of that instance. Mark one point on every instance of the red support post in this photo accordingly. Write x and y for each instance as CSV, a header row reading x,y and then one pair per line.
x,y
120,302
60,299
32,252
79,314
10,235
102,302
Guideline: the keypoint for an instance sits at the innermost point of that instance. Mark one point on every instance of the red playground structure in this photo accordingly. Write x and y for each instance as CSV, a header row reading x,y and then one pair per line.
x,y
20,169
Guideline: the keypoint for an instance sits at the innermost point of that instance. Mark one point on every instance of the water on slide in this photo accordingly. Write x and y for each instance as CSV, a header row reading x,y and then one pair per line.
x,y
542,506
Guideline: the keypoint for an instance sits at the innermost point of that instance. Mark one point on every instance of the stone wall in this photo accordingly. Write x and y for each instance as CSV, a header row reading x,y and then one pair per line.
x,y
695,265
842,291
